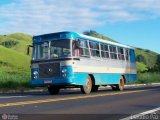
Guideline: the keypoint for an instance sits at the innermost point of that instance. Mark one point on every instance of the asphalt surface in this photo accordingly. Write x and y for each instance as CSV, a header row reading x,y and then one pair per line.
x,y
72,104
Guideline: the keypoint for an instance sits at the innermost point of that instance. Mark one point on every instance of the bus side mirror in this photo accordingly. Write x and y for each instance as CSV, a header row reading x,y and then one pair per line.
x,y
28,49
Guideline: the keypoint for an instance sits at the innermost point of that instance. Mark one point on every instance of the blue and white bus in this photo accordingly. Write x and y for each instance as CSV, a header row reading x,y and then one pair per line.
x,y
69,59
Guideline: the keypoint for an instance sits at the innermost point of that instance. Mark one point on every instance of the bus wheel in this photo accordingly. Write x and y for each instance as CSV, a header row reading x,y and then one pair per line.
x,y
86,89
53,90
120,86
95,88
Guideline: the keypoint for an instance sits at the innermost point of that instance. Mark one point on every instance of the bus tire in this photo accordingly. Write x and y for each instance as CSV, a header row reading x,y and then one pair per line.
x,y
53,90
86,89
95,88
120,86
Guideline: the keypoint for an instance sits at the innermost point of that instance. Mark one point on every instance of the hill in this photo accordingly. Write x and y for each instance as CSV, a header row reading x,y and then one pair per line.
x,y
16,41
14,62
98,35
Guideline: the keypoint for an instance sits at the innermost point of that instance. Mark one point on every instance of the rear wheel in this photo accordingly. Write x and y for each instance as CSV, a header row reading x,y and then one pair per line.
x,y
120,86
86,89
53,90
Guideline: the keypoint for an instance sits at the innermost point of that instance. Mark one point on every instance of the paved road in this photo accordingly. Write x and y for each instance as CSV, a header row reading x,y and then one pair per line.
x,y
103,104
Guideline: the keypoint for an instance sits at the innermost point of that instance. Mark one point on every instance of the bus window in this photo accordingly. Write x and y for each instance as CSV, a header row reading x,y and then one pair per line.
x,y
120,53
58,49
104,51
113,52
40,51
82,50
127,54
94,47
85,50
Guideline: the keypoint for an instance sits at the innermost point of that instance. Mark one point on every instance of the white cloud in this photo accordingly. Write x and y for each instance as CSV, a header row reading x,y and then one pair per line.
x,y
45,16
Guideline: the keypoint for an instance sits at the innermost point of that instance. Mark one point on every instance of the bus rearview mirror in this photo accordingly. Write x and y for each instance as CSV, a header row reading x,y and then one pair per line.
x,y
28,49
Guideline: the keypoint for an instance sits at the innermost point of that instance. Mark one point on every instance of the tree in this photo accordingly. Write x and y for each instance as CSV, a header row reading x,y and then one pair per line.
x,y
158,60
140,58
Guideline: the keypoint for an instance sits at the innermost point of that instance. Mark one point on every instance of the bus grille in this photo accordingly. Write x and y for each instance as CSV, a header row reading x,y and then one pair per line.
x,y
49,70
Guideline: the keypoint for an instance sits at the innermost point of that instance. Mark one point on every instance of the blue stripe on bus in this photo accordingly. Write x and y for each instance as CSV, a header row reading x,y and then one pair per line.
x,y
80,79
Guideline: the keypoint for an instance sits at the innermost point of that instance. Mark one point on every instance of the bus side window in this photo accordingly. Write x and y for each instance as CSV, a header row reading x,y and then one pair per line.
x,y
120,53
82,50
113,52
127,55
76,49
94,47
85,49
104,51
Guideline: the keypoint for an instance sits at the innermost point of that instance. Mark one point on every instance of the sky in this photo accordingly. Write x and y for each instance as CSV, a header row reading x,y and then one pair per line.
x,y
132,22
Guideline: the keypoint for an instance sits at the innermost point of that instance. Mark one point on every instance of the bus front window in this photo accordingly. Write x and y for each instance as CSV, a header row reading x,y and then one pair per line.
x,y
60,48
56,49
40,51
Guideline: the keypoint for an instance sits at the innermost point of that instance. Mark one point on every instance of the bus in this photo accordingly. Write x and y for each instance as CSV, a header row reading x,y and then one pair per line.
x,y
73,60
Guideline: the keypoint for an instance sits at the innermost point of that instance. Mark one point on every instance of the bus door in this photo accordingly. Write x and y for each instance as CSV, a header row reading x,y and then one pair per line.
x,y
132,62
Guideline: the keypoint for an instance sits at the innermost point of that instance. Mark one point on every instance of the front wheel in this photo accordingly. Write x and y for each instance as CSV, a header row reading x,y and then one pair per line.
x,y
53,90
86,89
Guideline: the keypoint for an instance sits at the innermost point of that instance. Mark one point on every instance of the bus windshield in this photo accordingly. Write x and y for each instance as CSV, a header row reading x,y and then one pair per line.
x,y
51,50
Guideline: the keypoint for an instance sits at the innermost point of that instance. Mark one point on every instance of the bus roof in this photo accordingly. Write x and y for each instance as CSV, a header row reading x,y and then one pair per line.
x,y
86,37
105,41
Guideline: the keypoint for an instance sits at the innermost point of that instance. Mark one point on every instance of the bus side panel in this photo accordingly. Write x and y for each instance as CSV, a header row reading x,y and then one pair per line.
x,y
79,78
104,79
130,78
100,79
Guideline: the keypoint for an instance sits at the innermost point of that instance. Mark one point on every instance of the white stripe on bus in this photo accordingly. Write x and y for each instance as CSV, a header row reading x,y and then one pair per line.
x,y
95,69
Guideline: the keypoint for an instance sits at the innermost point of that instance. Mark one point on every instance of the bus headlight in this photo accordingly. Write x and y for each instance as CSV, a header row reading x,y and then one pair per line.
x,y
35,74
64,71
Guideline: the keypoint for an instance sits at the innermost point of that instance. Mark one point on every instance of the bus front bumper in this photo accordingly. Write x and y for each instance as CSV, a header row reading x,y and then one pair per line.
x,y
50,82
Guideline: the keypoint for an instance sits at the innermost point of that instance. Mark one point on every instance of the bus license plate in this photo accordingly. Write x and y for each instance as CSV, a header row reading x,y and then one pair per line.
x,y
47,81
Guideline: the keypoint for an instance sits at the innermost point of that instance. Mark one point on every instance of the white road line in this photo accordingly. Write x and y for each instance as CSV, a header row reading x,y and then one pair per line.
x,y
141,114
12,96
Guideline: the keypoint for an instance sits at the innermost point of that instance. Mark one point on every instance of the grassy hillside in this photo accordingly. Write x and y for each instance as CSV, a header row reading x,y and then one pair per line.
x,y
146,57
16,41
14,63
97,35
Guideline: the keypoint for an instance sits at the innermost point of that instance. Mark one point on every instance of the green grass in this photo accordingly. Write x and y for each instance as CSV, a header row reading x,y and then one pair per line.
x,y
14,69
14,63
16,41
144,78
14,81
150,58
13,59
141,67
